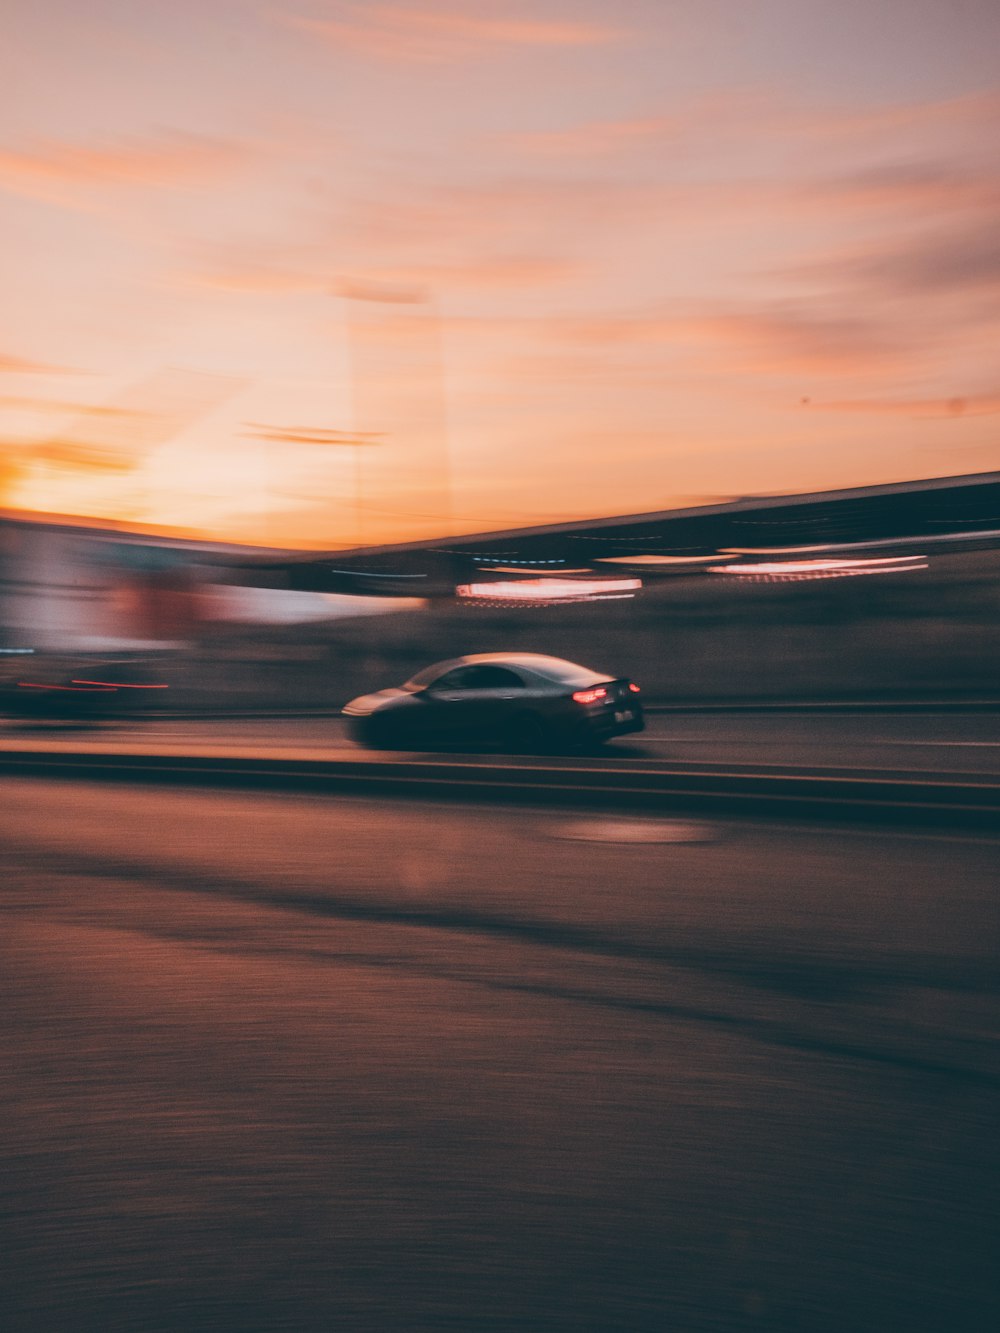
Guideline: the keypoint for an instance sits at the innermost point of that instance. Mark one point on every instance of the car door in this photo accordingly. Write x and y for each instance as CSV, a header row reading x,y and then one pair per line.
x,y
498,691
455,709
468,704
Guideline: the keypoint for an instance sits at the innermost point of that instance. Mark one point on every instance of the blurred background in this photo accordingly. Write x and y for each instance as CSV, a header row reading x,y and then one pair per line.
x,y
334,275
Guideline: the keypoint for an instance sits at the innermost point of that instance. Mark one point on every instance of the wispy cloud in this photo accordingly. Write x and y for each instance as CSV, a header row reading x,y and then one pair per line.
x,y
22,365
918,409
940,274
962,258
774,338
896,120
719,122
594,138
385,276
63,172
414,35
19,402
483,274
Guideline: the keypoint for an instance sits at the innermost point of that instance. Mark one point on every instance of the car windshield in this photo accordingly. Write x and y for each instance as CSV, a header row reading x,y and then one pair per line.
x,y
427,677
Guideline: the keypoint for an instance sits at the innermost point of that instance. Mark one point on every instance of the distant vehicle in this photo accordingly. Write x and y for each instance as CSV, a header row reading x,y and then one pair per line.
x,y
77,691
523,702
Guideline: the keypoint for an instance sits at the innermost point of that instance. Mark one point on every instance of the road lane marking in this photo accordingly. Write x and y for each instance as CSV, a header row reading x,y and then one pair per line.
x,y
632,830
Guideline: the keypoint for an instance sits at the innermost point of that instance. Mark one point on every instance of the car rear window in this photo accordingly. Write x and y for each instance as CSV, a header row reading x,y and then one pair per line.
x,y
568,673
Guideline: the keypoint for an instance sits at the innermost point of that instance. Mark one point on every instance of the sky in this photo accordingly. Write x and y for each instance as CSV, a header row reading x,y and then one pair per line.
x,y
312,273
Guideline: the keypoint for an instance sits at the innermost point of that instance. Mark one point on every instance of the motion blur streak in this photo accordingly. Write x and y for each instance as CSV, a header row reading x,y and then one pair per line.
x,y
821,569
548,590
115,685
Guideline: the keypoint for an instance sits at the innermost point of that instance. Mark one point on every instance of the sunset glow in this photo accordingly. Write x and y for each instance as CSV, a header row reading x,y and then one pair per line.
x,y
320,273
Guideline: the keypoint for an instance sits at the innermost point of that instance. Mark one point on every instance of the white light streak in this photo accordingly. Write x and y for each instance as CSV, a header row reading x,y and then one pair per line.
x,y
548,590
776,571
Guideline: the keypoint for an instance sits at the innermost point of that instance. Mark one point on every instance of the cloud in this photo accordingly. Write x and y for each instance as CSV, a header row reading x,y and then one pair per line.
x,y
396,283
935,186
593,212
777,338
62,173
249,277
506,215
20,365
952,259
593,139
19,402
720,123
430,36
936,409
951,268
482,274
970,111
786,340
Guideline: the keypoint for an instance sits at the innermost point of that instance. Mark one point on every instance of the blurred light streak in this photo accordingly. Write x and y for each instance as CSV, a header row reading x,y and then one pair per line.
x,y
519,569
79,688
662,559
375,574
548,591
313,435
777,571
119,685
518,602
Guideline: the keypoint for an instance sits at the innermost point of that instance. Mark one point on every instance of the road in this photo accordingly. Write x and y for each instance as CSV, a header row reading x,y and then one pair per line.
x,y
309,1063
945,741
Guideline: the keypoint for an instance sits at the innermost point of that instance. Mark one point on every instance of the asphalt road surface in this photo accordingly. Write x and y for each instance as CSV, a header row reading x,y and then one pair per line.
x,y
314,1063
946,741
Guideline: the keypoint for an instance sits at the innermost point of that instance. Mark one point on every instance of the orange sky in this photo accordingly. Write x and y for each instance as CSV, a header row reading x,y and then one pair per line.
x,y
547,260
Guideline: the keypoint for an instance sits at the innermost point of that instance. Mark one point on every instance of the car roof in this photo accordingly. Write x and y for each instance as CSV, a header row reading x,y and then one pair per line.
x,y
537,660
545,665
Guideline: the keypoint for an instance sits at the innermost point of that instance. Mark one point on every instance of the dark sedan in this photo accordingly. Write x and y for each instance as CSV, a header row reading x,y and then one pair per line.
x,y
524,702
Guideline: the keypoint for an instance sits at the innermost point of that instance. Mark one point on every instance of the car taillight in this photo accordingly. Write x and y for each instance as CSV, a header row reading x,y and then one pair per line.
x,y
633,687
590,696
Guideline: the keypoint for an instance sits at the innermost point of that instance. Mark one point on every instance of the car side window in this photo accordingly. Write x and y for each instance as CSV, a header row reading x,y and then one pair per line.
x,y
458,678
497,678
478,678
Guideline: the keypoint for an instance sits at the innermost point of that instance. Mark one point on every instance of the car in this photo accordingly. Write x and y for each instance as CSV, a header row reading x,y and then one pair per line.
x,y
523,702
78,691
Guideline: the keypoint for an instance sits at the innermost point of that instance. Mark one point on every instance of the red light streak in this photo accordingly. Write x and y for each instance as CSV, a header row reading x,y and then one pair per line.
x,y
77,688
117,685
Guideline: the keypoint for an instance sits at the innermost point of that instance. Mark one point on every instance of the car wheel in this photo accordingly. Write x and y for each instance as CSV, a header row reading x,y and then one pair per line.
x,y
528,734
375,735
